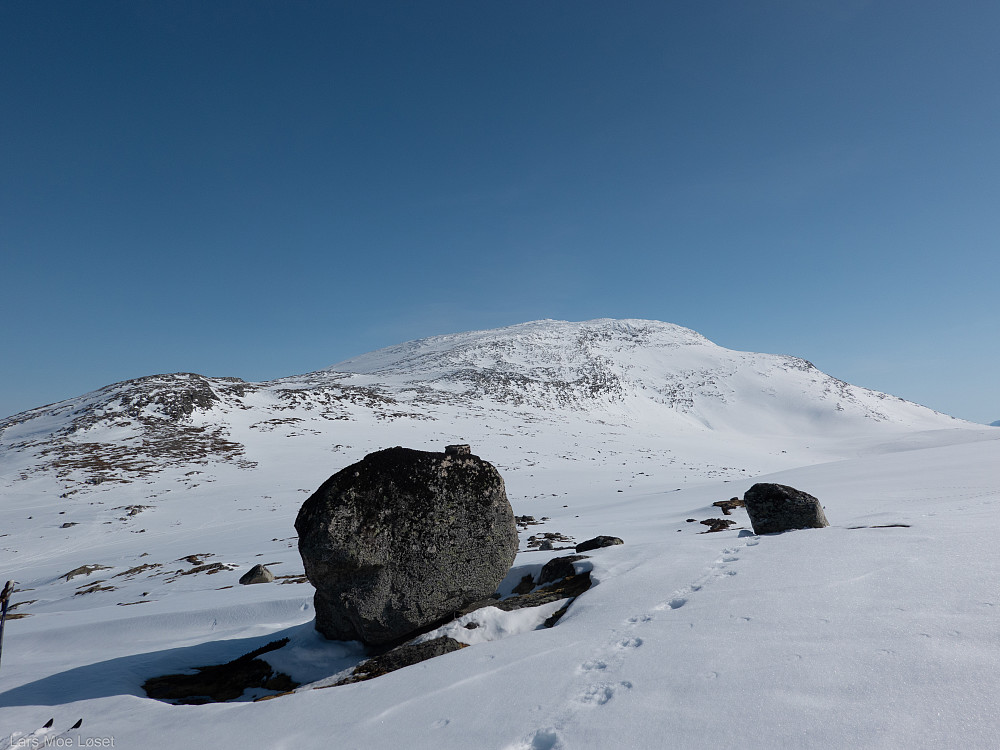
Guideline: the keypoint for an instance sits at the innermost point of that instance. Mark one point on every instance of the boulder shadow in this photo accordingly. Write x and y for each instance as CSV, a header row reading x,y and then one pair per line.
x,y
126,675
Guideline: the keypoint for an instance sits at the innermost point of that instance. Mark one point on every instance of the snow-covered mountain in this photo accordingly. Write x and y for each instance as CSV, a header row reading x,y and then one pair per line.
x,y
632,373
127,514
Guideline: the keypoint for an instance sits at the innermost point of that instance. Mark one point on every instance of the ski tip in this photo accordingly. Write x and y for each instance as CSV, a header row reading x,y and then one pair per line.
x,y
79,723
48,724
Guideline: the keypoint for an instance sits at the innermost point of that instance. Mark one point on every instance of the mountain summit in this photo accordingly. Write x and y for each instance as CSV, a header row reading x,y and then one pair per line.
x,y
598,363
661,379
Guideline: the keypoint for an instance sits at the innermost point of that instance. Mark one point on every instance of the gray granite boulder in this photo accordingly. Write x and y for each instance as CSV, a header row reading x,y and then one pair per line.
x,y
257,574
774,508
403,539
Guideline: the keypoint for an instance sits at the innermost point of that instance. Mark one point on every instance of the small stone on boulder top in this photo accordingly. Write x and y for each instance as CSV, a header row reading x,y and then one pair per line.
x,y
458,450
597,542
774,508
403,539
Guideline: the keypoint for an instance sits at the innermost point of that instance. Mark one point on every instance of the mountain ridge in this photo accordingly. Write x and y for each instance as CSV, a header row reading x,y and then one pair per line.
x,y
660,376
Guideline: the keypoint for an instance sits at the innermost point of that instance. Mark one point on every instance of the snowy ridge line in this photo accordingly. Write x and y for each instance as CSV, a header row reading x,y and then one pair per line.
x,y
624,372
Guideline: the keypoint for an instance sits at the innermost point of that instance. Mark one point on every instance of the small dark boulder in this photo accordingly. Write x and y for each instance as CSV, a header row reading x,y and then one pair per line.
x,y
257,574
558,568
774,508
402,539
597,542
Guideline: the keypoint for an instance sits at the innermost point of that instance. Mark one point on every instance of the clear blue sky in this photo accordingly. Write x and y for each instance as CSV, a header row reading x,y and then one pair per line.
x,y
262,189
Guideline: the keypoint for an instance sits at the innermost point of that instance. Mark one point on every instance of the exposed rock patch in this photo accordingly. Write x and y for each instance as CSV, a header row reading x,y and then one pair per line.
x,y
559,568
717,524
728,506
597,542
137,570
526,521
207,568
93,588
84,570
548,541
401,656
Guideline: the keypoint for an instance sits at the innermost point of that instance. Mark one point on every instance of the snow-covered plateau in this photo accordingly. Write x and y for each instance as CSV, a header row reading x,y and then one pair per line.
x,y
128,515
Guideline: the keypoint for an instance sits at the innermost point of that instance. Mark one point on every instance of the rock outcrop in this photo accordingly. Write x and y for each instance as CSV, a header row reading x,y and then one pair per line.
x,y
774,508
402,539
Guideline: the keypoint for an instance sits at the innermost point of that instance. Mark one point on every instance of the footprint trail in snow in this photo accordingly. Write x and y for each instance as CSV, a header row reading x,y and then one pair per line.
x,y
599,679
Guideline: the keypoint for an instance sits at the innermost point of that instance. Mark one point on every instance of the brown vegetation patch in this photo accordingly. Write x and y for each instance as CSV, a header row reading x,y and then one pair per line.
x,y
208,569
717,524
94,588
132,510
292,578
196,559
137,570
728,506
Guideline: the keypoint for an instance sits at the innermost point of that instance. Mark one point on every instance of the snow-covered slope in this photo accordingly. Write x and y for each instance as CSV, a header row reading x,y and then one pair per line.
x,y
632,365
657,377
128,514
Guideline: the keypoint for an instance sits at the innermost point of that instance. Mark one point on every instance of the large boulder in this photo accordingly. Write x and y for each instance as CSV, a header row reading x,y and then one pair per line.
x,y
774,508
403,539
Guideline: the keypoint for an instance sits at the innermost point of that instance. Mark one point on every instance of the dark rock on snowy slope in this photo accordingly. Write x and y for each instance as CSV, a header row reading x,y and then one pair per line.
x,y
558,568
774,508
402,656
402,539
257,574
597,542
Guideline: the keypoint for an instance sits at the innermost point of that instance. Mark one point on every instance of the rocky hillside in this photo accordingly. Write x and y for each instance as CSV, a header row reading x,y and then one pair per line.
x,y
659,376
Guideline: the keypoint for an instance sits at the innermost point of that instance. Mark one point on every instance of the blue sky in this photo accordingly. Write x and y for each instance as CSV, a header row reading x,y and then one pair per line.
x,y
262,189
